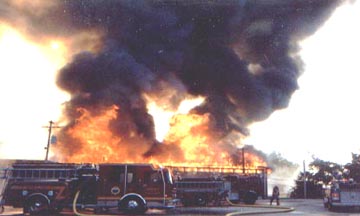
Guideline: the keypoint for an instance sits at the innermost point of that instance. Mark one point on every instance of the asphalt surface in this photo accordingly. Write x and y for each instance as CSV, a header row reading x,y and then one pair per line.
x,y
301,207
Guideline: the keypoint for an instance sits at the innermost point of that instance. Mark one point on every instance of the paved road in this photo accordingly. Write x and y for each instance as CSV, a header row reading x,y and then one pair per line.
x,y
312,207
302,207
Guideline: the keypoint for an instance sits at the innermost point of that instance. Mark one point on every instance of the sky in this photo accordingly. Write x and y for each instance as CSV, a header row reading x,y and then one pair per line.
x,y
321,120
28,94
323,116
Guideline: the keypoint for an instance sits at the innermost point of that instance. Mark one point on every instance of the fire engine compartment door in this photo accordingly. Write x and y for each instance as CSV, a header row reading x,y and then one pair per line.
x,y
350,195
145,181
111,181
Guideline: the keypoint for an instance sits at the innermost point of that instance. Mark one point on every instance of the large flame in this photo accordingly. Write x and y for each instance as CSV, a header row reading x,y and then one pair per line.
x,y
190,133
200,145
96,142
93,133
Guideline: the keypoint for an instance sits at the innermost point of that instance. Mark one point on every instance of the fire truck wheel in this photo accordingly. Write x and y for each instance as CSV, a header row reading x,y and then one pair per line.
x,y
36,205
133,205
250,197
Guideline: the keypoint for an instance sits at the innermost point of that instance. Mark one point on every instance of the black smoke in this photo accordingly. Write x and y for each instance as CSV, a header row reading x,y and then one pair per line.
x,y
240,55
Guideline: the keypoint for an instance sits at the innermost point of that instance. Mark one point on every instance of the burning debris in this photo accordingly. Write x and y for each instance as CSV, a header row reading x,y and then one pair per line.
x,y
240,57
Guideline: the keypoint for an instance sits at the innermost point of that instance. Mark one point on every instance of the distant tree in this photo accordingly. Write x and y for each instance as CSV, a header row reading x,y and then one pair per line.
x,y
325,171
320,172
313,189
353,168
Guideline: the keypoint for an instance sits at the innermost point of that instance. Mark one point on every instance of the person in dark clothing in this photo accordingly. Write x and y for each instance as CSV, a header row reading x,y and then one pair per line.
x,y
275,195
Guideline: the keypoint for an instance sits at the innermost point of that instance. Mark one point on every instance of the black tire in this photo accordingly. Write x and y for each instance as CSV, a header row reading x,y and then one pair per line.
x,y
37,205
133,205
250,197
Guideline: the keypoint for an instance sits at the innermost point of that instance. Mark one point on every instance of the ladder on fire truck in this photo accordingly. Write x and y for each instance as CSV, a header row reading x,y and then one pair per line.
x,y
44,173
220,169
5,174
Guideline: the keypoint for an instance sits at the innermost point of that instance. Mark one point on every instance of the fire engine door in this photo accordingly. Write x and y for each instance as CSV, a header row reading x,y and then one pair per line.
x,y
145,181
112,181
153,184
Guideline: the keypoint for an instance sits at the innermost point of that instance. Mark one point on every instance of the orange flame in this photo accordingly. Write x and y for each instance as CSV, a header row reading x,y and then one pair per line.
x,y
91,132
97,142
191,134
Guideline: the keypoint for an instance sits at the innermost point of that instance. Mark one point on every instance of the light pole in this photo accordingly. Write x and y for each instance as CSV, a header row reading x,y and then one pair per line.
x,y
304,179
51,126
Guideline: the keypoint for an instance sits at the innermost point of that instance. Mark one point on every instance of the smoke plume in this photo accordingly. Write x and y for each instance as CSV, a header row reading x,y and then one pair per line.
x,y
240,55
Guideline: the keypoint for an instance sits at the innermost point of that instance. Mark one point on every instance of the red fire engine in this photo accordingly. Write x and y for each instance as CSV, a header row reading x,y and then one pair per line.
x,y
42,186
39,186
200,186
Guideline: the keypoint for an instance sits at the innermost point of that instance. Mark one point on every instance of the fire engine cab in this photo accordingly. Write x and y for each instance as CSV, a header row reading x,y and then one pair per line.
x,y
41,186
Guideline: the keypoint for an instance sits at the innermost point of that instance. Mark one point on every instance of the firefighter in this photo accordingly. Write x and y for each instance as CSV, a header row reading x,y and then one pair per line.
x,y
275,195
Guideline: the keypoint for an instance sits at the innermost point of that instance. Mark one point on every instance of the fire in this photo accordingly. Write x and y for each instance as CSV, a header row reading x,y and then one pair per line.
x,y
200,145
252,160
163,114
191,134
97,142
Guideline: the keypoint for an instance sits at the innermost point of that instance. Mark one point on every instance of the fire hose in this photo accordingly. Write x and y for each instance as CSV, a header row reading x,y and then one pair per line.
x,y
279,209
74,205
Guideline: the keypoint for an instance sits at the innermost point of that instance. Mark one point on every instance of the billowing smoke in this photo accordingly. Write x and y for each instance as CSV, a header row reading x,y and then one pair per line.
x,y
240,55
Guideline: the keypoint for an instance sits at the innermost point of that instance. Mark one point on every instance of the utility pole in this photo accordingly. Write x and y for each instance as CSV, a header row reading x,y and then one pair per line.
x,y
304,180
51,126
243,158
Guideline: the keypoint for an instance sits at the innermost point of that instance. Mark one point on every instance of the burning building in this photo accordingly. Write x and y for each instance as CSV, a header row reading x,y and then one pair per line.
x,y
142,61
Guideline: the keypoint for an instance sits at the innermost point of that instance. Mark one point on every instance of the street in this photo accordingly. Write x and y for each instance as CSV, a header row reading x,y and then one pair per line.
x,y
312,207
